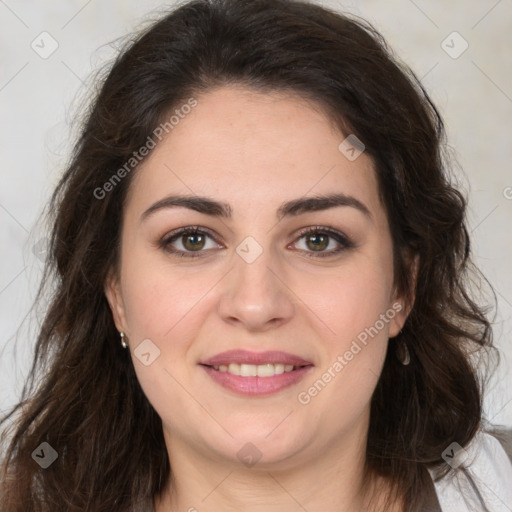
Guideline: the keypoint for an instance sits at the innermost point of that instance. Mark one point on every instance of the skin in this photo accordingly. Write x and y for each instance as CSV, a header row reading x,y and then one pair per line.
x,y
255,151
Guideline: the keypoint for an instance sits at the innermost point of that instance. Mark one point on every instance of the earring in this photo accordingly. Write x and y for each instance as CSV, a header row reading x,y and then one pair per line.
x,y
402,352
124,344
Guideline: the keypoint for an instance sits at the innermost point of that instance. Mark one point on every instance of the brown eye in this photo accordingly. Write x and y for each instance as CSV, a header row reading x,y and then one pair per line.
x,y
189,242
193,241
317,242
322,242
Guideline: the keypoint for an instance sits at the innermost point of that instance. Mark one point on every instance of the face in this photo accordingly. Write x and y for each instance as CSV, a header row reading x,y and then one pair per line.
x,y
253,276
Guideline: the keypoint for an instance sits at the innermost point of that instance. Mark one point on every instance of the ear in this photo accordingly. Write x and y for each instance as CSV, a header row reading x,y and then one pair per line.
x,y
403,305
115,299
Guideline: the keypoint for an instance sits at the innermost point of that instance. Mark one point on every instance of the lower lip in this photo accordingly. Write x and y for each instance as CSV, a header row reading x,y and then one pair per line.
x,y
257,386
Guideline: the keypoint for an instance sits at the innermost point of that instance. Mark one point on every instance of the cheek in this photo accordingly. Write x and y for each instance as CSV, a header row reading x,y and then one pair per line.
x,y
355,305
352,298
360,316
163,306
158,299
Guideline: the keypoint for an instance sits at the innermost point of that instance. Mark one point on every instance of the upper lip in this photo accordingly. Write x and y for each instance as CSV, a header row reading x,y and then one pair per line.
x,y
256,358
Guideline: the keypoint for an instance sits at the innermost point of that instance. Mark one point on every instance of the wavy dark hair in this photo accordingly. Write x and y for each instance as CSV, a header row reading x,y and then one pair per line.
x,y
82,395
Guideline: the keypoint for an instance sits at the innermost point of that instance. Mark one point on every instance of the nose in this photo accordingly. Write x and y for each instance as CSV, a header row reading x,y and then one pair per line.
x,y
255,295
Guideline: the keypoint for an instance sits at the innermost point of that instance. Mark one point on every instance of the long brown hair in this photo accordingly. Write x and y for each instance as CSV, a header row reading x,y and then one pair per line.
x,y
82,396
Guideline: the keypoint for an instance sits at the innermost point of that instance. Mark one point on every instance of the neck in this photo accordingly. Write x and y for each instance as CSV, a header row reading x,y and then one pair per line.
x,y
333,480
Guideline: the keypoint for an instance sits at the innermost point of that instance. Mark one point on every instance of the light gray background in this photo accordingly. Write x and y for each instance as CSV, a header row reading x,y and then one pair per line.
x,y
39,96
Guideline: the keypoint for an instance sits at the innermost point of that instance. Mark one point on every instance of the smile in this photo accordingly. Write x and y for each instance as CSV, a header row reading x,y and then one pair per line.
x,y
253,370
256,380
249,373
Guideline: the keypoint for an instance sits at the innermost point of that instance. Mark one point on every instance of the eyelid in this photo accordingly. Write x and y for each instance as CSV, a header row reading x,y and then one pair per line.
x,y
339,237
326,230
188,229
166,240
343,240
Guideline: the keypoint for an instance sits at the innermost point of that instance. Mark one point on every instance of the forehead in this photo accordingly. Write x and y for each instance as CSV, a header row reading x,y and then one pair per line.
x,y
251,148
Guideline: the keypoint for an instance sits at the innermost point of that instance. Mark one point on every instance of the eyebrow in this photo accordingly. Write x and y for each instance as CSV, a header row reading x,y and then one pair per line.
x,y
295,207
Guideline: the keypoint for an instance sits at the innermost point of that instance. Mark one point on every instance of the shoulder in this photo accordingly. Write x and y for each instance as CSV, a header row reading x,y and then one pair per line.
x,y
481,475
504,437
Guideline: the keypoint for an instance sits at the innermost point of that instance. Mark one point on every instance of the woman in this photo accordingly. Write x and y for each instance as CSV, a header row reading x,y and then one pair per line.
x,y
261,295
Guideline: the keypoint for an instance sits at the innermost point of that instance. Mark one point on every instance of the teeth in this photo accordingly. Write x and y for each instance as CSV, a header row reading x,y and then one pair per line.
x,y
234,369
248,370
253,370
279,368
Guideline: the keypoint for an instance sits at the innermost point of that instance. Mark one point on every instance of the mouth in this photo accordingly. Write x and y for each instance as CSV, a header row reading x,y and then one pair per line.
x,y
253,370
256,374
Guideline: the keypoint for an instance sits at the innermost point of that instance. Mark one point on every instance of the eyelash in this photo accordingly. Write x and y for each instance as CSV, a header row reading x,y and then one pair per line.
x,y
343,240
